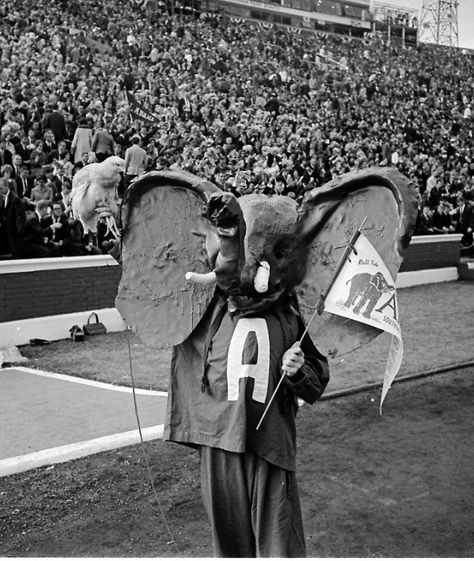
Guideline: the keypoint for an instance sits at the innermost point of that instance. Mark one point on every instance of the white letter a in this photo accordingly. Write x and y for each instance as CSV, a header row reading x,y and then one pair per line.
x,y
259,371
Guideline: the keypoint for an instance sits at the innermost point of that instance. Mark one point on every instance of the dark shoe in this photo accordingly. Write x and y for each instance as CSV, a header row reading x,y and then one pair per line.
x,y
77,334
35,342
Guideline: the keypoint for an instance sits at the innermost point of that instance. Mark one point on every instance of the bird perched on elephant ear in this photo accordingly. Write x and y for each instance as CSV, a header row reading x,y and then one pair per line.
x,y
94,189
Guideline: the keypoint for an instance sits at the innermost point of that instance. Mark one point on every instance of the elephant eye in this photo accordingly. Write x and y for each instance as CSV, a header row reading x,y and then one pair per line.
x,y
280,249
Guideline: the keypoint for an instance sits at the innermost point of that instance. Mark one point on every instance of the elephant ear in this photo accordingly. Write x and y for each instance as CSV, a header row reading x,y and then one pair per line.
x,y
328,219
164,236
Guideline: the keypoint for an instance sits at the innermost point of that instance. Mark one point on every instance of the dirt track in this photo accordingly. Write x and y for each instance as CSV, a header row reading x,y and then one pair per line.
x,y
400,485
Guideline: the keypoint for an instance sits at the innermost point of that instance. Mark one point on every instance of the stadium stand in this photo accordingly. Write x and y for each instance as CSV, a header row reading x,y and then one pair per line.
x,y
251,107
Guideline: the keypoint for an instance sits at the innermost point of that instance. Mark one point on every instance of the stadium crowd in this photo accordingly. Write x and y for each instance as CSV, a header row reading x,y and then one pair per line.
x,y
251,107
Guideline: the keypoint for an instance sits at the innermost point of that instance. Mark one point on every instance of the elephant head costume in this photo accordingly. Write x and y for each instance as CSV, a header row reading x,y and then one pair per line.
x,y
183,236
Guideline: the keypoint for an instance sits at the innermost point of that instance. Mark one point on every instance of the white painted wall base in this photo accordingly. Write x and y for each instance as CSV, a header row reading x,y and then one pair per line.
x,y
54,328
428,276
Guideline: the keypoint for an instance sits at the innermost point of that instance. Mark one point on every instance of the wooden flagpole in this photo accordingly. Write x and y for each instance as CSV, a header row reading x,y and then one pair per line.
x,y
319,308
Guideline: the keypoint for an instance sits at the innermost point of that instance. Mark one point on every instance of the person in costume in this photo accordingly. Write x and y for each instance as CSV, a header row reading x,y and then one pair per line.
x,y
219,380
233,285
224,372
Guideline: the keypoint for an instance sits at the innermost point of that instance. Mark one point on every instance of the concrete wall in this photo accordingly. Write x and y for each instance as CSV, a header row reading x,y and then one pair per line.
x,y
432,252
43,298
47,287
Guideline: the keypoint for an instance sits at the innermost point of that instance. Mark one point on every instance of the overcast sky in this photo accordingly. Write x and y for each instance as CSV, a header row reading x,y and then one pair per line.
x,y
465,18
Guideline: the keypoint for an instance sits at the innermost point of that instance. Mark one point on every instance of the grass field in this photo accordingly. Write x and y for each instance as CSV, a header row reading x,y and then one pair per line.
x,y
393,486
400,485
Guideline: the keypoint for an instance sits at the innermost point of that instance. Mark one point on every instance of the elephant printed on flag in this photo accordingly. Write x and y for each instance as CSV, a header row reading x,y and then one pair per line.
x,y
365,291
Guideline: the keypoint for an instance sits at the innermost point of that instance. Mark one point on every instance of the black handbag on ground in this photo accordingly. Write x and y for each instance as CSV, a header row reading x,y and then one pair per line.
x,y
96,328
77,334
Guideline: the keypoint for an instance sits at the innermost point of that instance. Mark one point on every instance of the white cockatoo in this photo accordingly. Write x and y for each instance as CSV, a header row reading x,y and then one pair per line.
x,y
95,187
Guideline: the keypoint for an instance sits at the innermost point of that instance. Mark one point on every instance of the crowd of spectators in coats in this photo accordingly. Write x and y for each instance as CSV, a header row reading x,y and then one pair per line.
x,y
251,107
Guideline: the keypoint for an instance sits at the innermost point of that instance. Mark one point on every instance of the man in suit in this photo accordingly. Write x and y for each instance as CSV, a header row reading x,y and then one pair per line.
x,y
103,143
35,243
54,120
464,220
21,148
424,221
16,163
6,157
58,153
57,216
83,162
24,182
49,142
12,221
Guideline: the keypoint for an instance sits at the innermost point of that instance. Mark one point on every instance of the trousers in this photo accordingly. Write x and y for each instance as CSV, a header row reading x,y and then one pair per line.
x,y
253,506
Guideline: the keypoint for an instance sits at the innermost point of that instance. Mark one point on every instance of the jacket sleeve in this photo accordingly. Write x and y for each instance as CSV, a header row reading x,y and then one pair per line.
x,y
20,217
312,378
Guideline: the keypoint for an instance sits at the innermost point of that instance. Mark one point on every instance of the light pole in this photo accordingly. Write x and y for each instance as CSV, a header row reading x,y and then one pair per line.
x,y
439,22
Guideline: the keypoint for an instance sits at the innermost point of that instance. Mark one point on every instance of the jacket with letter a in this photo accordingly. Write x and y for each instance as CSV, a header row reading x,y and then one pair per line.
x,y
223,375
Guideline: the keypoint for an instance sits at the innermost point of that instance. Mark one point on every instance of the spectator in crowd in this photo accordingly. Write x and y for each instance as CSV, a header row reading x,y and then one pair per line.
x,y
81,142
6,157
6,177
424,225
16,165
57,216
135,160
75,242
35,238
49,142
21,147
55,121
259,109
12,221
38,158
105,239
59,152
442,220
103,144
62,167
23,182
83,162
41,190
464,220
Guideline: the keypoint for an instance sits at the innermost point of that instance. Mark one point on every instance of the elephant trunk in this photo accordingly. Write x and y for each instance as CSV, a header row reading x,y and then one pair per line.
x,y
226,215
231,272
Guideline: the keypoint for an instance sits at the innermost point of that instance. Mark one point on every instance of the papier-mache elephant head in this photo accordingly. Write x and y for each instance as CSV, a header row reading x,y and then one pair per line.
x,y
183,236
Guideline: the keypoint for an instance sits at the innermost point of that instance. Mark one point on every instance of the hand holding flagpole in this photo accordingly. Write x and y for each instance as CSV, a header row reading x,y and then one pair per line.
x,y
319,308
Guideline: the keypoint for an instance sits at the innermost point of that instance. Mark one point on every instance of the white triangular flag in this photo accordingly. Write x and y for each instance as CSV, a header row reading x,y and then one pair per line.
x,y
364,291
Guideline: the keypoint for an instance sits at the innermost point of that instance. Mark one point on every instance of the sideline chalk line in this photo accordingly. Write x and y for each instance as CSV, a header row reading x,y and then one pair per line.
x,y
59,454
86,382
